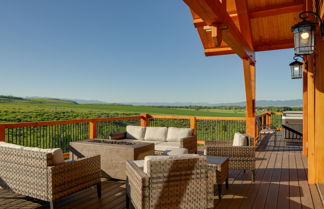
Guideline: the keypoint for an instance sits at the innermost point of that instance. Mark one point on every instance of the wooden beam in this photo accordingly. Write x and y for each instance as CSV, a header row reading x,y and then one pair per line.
x,y
213,13
305,109
283,44
219,51
278,10
215,33
274,45
311,120
272,11
244,21
319,111
249,93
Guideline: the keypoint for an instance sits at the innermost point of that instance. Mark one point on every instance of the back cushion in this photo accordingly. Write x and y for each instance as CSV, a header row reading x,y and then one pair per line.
x,y
155,133
175,134
149,159
57,153
240,140
135,132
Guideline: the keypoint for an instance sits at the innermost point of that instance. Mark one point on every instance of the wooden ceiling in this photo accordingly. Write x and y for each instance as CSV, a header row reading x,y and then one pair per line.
x,y
245,26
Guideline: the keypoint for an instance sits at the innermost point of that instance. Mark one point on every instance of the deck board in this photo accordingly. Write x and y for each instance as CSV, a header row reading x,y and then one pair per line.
x,y
281,182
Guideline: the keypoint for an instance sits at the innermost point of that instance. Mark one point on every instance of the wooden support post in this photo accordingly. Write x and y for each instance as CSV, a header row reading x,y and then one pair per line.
x,y
2,134
311,120
250,107
92,130
319,110
193,124
305,109
145,119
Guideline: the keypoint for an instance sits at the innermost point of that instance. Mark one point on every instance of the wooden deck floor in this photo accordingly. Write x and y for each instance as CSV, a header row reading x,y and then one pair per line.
x,y
281,182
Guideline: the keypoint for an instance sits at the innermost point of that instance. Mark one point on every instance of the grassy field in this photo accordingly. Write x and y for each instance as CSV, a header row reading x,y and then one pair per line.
x,y
27,112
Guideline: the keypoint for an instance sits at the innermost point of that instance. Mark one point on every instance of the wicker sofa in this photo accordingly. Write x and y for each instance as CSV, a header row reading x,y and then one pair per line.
x,y
171,182
38,173
240,157
163,138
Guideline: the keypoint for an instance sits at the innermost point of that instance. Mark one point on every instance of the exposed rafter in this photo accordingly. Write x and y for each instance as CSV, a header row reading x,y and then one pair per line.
x,y
277,10
284,44
244,21
214,13
216,34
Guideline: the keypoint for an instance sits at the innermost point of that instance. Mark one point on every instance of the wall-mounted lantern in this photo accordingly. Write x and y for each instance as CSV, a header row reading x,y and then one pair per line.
x,y
296,68
304,34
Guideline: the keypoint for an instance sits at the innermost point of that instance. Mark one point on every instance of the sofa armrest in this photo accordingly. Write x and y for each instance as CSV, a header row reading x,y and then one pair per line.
x,y
116,136
231,151
190,143
137,185
73,176
239,157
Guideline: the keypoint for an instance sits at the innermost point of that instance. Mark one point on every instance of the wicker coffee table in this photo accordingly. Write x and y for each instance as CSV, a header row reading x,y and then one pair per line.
x,y
220,164
114,154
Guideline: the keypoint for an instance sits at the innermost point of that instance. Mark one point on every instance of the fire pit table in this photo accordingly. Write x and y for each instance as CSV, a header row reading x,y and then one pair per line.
x,y
114,153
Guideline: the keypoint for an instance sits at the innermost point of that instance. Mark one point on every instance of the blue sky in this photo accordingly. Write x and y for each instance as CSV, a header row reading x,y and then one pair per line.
x,y
124,51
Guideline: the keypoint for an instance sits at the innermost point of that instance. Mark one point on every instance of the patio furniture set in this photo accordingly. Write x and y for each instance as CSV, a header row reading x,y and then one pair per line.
x,y
159,164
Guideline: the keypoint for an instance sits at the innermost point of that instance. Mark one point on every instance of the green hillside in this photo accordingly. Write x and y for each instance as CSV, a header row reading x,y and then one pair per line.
x,y
12,99
41,111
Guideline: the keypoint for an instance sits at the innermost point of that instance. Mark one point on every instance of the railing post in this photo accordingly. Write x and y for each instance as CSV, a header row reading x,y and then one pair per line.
x,y
193,124
92,129
2,133
268,119
145,119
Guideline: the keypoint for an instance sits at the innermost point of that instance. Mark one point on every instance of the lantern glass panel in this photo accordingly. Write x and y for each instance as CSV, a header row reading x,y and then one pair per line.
x,y
296,70
304,39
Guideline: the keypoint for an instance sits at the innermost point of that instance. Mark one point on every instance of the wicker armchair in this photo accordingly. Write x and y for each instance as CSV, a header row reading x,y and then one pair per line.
x,y
172,182
33,174
240,157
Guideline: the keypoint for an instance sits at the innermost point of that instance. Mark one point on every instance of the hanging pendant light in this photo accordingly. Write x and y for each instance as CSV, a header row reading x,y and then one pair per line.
x,y
304,34
296,68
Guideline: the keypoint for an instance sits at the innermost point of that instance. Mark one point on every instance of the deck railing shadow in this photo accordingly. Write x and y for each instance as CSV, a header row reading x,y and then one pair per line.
x,y
236,191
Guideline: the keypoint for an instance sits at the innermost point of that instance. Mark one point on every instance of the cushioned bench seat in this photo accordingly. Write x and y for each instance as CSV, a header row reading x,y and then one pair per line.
x,y
162,137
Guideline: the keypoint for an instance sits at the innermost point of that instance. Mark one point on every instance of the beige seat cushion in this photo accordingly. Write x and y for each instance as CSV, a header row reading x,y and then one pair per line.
x,y
155,133
240,140
175,134
139,163
154,142
148,159
167,145
176,151
57,153
135,132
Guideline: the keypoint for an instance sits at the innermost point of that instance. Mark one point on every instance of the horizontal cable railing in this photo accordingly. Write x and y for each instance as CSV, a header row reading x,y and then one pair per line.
x,y
51,134
210,130
206,128
104,128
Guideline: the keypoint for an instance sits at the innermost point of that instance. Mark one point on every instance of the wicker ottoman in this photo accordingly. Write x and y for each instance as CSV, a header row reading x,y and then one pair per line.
x,y
220,164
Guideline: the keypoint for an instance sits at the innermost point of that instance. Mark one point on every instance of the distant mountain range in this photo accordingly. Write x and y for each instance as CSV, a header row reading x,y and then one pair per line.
x,y
259,103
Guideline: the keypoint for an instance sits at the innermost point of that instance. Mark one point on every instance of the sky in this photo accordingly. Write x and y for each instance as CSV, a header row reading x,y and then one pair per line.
x,y
124,51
